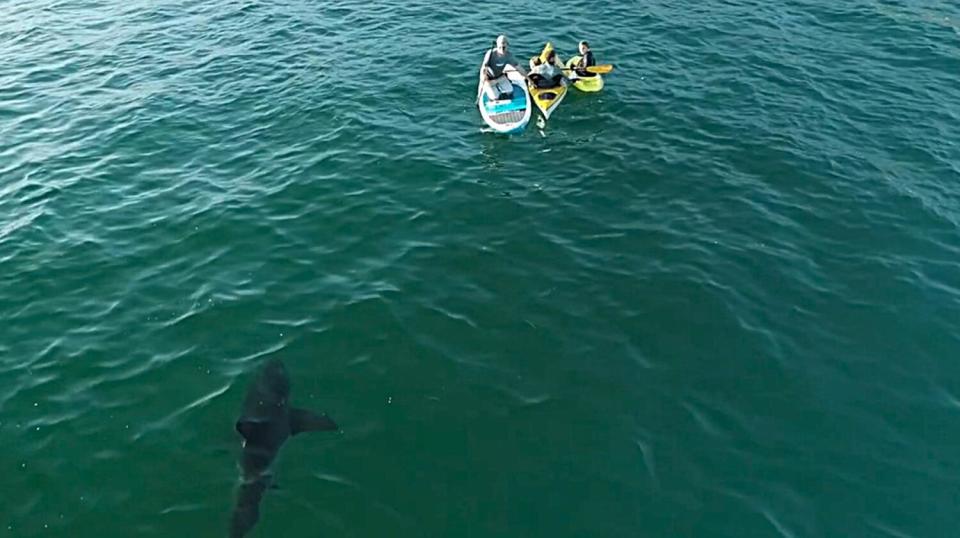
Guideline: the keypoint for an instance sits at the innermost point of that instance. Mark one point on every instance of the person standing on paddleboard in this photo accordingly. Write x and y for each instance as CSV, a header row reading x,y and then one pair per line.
x,y
495,84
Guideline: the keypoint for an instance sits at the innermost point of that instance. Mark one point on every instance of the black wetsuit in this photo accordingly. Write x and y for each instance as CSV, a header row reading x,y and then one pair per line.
x,y
586,60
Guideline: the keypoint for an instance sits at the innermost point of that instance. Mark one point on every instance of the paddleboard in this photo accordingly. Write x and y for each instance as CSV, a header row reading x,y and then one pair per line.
x,y
506,115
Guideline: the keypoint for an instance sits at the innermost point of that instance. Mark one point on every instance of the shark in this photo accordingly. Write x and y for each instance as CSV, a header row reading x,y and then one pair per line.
x,y
267,421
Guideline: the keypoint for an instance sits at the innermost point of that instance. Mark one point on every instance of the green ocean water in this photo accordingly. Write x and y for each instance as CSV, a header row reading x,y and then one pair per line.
x,y
719,299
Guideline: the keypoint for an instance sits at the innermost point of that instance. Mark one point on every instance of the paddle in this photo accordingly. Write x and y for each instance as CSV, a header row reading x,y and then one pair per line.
x,y
597,69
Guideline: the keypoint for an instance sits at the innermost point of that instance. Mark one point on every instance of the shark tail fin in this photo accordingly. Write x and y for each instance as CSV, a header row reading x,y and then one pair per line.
x,y
302,420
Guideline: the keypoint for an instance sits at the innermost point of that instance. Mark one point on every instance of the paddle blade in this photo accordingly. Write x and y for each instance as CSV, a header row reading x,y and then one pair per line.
x,y
597,69
600,69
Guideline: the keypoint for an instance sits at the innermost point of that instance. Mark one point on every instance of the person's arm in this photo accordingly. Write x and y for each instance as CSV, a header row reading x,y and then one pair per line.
x,y
483,66
588,60
512,60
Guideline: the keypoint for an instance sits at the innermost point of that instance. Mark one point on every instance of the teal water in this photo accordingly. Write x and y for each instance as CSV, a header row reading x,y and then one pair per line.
x,y
720,299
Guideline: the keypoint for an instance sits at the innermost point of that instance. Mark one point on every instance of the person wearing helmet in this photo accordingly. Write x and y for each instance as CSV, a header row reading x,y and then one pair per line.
x,y
495,83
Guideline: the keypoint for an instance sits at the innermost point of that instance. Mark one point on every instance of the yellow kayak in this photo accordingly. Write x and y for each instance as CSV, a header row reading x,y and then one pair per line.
x,y
547,99
586,83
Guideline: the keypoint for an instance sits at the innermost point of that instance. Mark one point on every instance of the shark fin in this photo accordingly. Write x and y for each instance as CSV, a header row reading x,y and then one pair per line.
x,y
302,420
253,431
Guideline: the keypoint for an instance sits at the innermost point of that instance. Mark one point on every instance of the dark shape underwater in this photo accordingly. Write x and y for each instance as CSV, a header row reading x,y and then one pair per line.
x,y
266,422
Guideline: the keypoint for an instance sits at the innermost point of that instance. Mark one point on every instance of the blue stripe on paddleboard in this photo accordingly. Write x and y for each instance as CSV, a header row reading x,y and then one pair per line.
x,y
519,102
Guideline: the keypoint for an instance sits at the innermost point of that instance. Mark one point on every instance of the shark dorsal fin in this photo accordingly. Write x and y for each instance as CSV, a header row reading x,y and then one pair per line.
x,y
302,420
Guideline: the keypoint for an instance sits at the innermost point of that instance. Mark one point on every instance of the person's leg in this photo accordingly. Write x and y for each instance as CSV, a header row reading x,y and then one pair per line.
x,y
505,87
490,88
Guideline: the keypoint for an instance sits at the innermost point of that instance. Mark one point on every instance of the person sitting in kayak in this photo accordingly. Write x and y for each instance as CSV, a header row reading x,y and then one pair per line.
x,y
546,71
586,60
495,82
